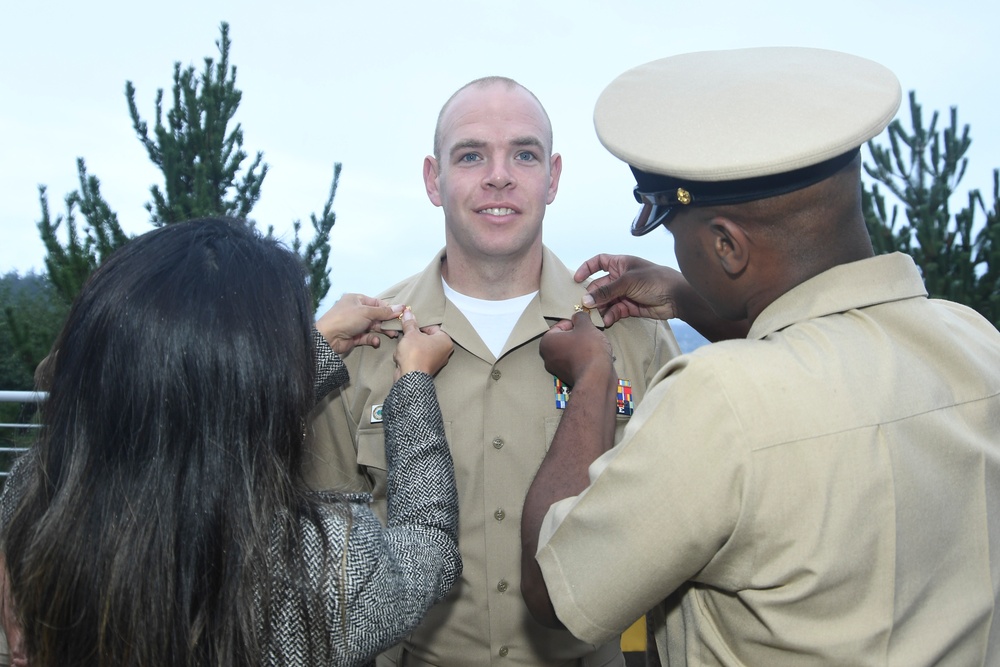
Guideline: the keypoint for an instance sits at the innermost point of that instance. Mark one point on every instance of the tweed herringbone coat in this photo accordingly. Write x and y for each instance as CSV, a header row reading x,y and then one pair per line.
x,y
378,588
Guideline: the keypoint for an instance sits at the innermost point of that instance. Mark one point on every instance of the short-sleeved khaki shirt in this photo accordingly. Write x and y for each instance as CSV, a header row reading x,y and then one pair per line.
x,y
500,416
826,492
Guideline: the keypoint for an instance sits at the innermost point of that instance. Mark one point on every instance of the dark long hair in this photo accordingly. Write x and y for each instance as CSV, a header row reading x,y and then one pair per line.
x,y
173,433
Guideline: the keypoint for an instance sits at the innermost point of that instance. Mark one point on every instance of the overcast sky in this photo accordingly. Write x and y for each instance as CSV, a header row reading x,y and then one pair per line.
x,y
361,83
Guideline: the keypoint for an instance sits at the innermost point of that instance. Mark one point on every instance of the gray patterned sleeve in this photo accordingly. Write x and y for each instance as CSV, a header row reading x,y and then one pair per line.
x,y
14,488
381,587
414,561
330,370
421,485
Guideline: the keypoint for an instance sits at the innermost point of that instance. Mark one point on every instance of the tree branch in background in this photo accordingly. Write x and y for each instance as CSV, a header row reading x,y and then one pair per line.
x,y
958,257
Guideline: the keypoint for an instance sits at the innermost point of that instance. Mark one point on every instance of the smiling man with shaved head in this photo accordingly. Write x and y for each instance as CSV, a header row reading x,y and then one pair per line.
x,y
495,289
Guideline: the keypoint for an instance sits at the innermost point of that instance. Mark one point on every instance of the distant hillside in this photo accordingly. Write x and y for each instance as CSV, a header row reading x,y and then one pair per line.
x,y
687,338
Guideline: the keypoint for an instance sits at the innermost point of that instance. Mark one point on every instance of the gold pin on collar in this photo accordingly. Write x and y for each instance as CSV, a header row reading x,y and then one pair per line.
x,y
581,308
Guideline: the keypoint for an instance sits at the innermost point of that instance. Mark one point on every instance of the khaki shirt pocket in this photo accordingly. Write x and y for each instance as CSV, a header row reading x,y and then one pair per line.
x,y
371,448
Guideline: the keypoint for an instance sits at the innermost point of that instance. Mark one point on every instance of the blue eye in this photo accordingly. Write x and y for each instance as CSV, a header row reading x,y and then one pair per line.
x,y
469,157
525,156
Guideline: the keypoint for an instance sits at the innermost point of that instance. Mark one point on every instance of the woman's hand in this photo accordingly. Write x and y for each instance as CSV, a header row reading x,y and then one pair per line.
x,y
354,320
419,349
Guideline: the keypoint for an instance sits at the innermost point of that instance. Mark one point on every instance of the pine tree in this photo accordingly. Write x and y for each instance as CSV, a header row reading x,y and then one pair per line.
x,y
922,169
24,341
316,254
201,158
69,265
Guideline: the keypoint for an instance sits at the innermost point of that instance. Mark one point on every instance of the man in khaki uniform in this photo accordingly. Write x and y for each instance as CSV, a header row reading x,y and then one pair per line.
x,y
495,289
825,492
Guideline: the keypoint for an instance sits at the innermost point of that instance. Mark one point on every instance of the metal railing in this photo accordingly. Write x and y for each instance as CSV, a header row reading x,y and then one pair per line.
x,y
18,397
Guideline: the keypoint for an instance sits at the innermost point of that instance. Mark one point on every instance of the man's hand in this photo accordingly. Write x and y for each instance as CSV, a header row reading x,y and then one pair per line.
x,y
571,348
632,287
635,287
354,320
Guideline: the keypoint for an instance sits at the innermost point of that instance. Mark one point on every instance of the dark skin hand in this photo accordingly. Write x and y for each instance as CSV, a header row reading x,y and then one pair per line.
x,y
635,287
580,355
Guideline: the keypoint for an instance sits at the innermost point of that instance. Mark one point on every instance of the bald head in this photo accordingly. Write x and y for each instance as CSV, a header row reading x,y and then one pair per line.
x,y
482,83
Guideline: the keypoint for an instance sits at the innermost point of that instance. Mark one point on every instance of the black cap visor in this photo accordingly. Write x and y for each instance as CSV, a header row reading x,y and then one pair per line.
x,y
661,196
652,214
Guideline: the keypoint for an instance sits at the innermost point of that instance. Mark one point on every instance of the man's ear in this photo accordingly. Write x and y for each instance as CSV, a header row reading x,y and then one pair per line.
x,y
431,180
555,170
730,245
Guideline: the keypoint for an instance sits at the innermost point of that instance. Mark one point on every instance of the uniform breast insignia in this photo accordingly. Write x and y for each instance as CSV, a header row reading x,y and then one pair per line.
x,y
624,398
377,414
562,394
624,405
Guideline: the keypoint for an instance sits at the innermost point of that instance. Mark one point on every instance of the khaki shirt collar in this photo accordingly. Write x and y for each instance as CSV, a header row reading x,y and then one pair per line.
x,y
867,282
557,294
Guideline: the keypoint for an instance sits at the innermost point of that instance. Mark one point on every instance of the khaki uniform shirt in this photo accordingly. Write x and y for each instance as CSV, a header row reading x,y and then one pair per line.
x,y
826,492
500,416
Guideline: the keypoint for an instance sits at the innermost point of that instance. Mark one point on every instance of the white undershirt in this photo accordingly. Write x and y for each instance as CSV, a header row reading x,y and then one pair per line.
x,y
492,320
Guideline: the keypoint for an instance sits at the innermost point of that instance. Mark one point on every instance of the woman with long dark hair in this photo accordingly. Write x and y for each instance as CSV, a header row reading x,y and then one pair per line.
x,y
161,518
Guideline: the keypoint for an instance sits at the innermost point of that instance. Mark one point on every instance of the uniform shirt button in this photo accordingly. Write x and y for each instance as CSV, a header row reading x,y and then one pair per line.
x,y
499,515
503,651
502,586
495,374
497,443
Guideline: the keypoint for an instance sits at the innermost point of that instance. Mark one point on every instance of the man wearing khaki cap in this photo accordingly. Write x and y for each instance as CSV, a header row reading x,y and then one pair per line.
x,y
825,491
